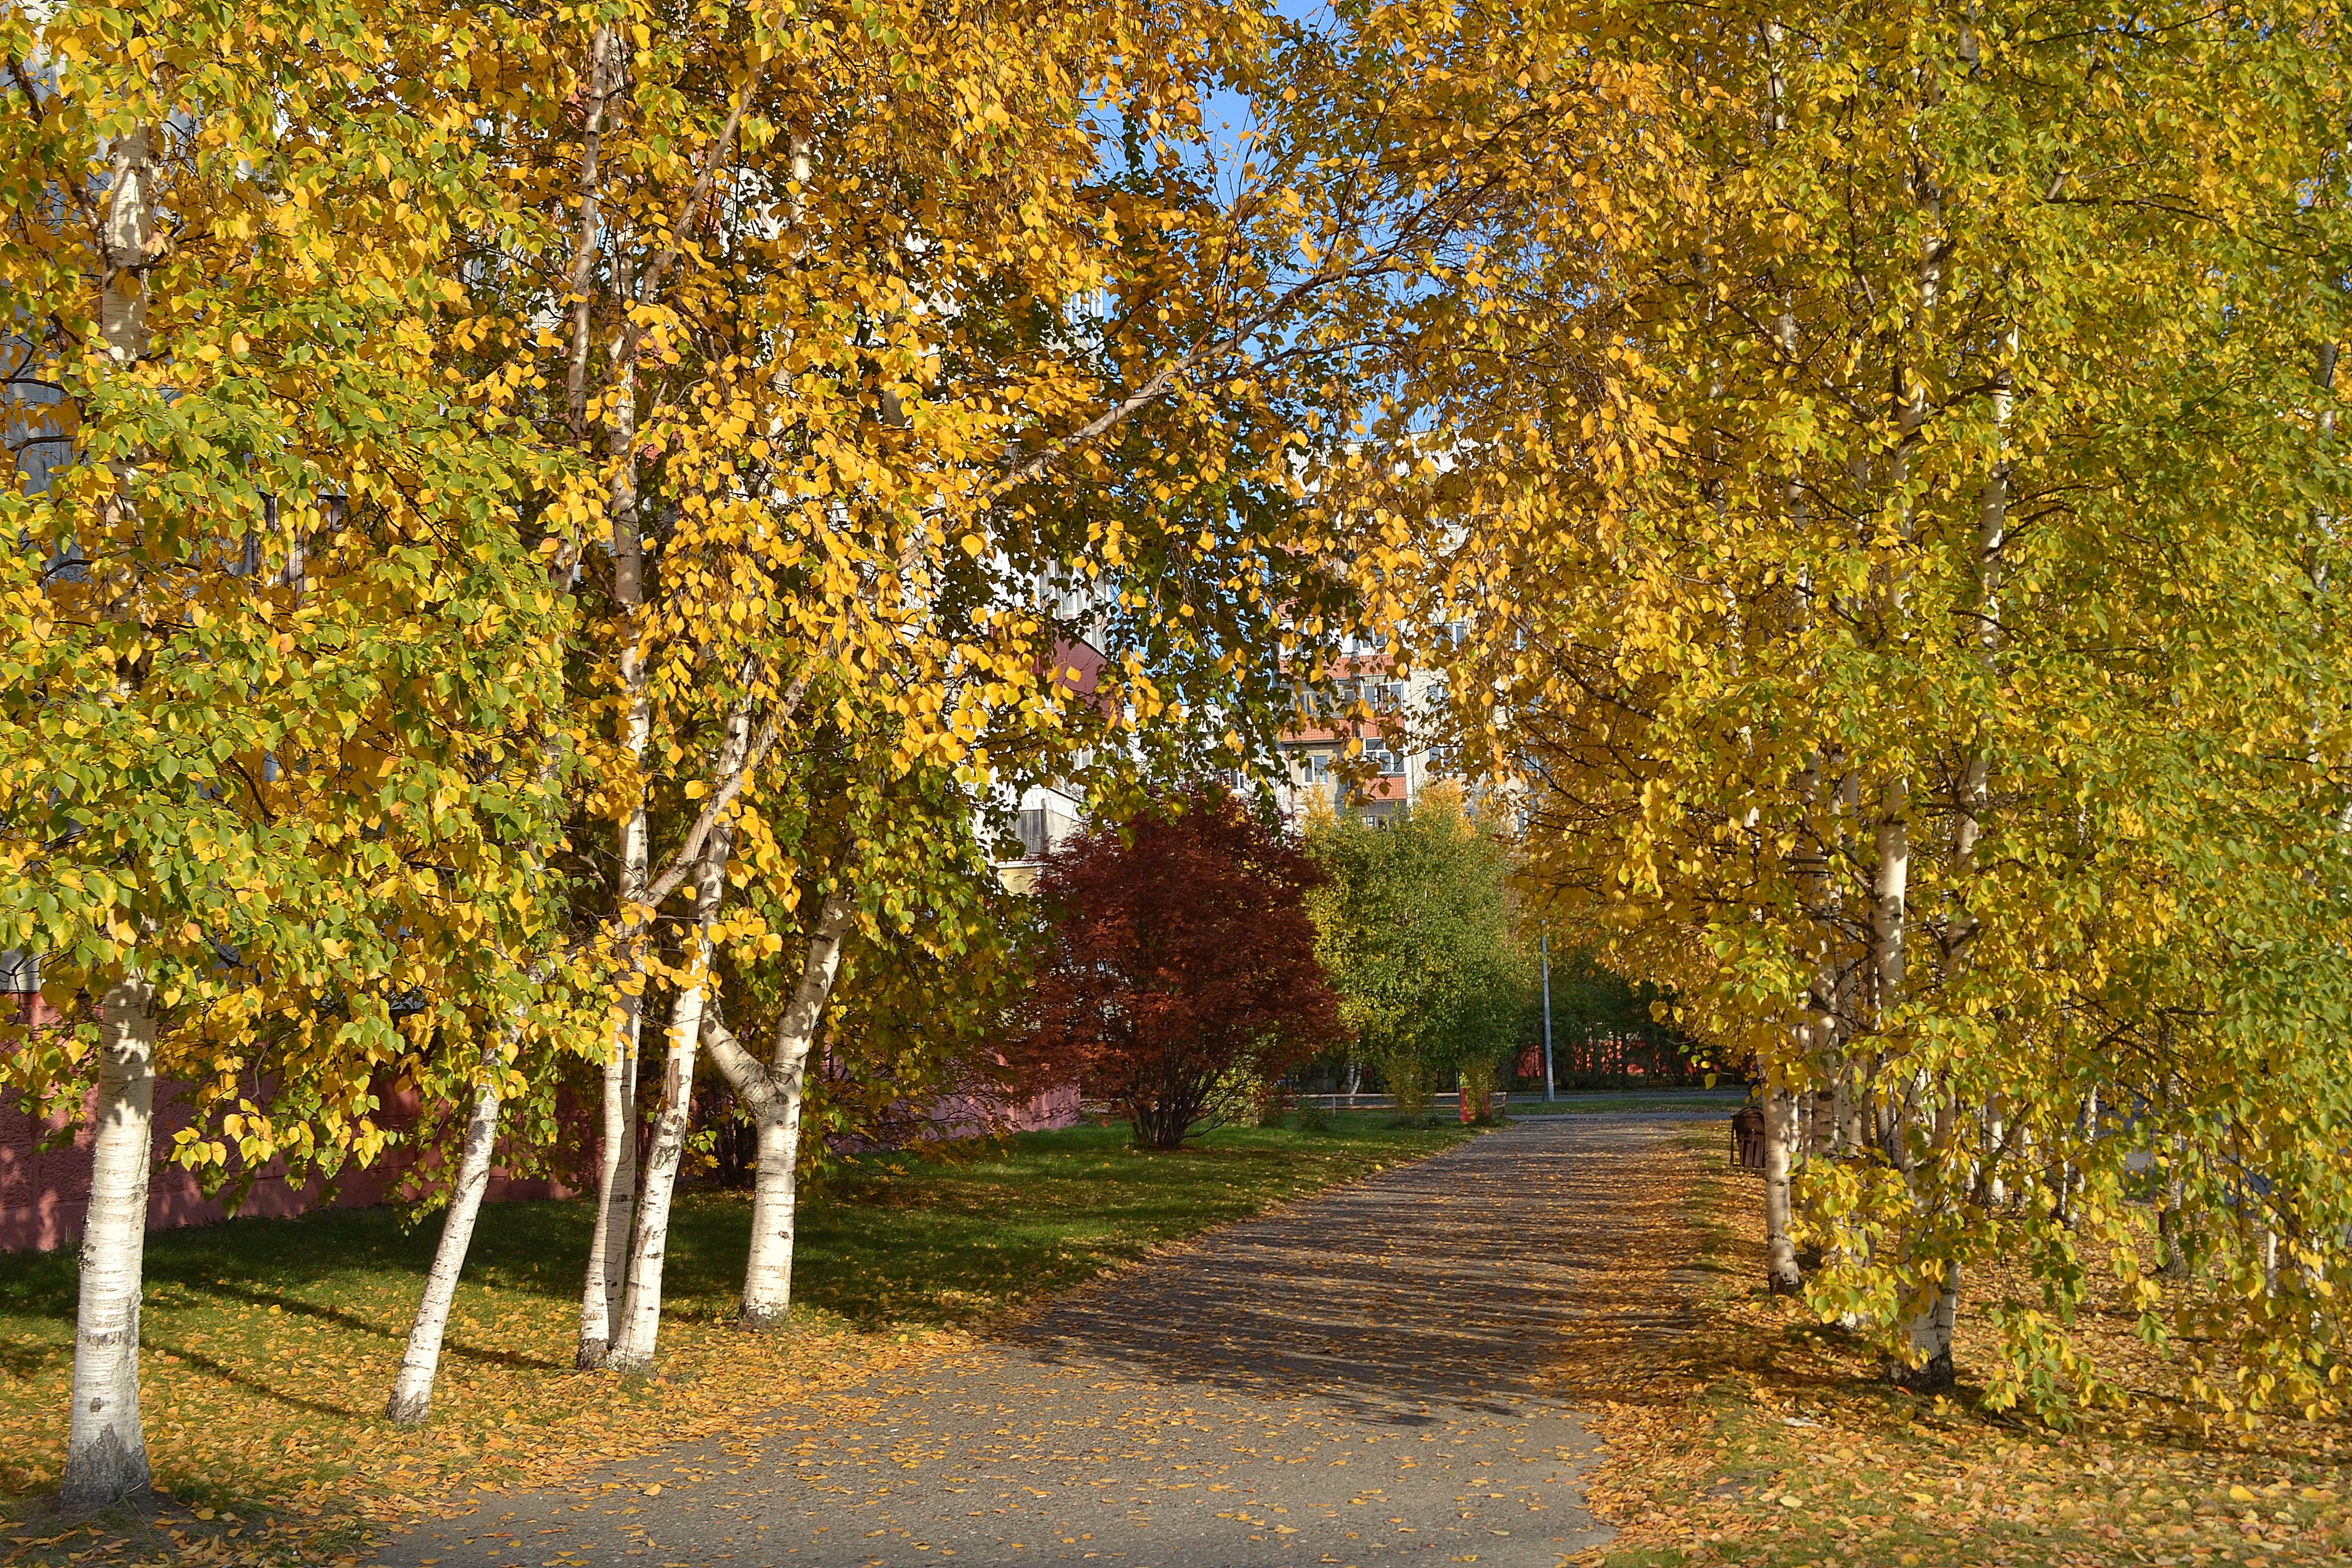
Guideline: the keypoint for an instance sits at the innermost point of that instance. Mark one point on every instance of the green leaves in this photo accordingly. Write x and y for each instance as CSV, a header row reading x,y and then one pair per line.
x,y
282,660
1415,927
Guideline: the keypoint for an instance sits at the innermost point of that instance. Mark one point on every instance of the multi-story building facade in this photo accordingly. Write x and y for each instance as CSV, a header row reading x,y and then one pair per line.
x,y
1377,712
1048,814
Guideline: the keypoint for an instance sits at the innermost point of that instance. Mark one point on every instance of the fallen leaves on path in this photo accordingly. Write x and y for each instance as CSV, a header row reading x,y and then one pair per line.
x,y
270,1345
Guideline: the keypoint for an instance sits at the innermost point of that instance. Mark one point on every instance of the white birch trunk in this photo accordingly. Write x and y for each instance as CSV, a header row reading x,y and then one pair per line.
x,y
617,1122
638,1331
603,69
605,1286
1888,892
411,1391
616,1187
639,1326
1927,1337
106,1449
1780,1270
767,1275
1996,1146
2169,1218
130,243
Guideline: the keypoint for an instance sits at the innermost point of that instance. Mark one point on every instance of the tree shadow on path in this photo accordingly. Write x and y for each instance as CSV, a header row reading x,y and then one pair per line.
x,y
1453,1279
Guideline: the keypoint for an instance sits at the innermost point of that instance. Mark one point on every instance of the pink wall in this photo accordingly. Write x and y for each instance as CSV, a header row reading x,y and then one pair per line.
x,y
969,1116
45,1191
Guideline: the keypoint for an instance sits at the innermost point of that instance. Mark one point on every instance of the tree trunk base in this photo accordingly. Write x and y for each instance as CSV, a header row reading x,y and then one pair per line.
x,y
408,1409
104,1476
1931,1376
590,1356
628,1364
1785,1282
763,1319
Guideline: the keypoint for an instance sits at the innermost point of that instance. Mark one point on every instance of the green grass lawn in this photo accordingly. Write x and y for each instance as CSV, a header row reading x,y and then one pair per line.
x,y
270,1345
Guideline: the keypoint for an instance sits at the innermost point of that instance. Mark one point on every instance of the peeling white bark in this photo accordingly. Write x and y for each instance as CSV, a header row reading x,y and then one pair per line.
x,y
106,1447
773,1093
1927,1338
1780,1270
639,1330
130,240
1888,894
616,1187
1927,1334
605,1286
412,1390
106,1451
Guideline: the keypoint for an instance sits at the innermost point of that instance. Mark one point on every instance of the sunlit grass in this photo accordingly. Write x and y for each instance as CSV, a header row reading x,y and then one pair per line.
x,y
270,1345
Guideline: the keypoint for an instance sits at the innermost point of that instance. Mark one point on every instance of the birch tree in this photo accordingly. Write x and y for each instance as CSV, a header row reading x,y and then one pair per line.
x,y
896,337
1848,426
275,642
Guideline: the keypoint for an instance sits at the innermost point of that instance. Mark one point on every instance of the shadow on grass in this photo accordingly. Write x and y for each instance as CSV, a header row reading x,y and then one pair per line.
x,y
222,1369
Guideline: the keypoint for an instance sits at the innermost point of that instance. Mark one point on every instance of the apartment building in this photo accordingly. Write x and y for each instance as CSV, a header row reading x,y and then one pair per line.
x,y
1046,814
1375,710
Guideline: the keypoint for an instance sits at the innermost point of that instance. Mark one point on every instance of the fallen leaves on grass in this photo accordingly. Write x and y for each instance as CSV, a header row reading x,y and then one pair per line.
x,y
1751,1435
270,1345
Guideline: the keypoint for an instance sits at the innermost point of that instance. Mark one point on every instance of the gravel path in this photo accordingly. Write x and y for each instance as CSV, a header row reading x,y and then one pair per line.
x,y
1354,1379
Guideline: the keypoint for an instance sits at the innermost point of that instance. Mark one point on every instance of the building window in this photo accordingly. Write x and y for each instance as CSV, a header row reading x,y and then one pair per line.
x,y
1390,764
20,987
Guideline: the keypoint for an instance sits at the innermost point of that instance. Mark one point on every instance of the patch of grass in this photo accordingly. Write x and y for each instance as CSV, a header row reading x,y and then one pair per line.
x,y
270,1345
1760,1437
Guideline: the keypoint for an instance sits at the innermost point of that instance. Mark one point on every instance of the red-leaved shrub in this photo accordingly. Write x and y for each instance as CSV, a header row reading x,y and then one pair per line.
x,y
1182,959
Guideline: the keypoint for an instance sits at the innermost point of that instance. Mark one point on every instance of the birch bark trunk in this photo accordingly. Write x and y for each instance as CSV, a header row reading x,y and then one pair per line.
x,y
639,1328
2167,1218
616,1161
616,1183
412,1390
106,1447
1928,1363
1780,1270
767,1275
606,1275
1996,1148
1928,1336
